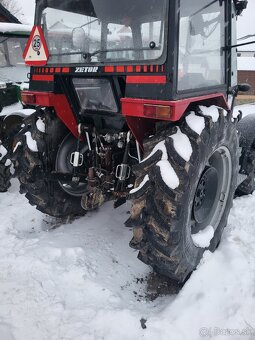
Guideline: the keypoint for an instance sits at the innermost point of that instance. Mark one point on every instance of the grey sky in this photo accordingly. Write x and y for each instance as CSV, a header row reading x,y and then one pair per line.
x,y
246,23
28,9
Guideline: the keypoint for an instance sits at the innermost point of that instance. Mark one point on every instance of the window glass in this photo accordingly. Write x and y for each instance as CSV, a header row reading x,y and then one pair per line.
x,y
11,50
15,51
152,32
12,65
91,31
3,55
201,60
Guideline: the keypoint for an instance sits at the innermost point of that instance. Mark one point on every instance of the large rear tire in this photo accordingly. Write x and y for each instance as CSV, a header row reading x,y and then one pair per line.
x,y
36,150
185,186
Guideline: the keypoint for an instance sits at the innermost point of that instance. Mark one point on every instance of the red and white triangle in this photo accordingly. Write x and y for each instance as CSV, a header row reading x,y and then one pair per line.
x,y
36,52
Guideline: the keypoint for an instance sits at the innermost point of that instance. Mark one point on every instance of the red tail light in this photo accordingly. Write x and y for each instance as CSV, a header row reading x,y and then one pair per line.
x,y
157,111
28,98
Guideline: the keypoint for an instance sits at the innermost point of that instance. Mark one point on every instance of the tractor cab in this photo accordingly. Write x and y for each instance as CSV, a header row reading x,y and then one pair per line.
x,y
13,39
140,59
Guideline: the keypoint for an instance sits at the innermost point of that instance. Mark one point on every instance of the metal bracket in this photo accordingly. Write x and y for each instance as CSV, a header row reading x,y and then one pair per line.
x,y
76,159
123,172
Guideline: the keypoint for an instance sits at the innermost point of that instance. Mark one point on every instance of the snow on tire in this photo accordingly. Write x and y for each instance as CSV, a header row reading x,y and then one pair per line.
x,y
5,174
183,208
34,158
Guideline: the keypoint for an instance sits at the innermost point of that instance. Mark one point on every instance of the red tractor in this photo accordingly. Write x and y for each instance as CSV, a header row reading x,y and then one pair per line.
x,y
134,100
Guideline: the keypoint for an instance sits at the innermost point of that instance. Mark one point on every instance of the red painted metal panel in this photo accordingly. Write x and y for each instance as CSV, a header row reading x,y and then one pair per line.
x,y
37,77
58,102
130,69
120,69
109,69
146,80
133,107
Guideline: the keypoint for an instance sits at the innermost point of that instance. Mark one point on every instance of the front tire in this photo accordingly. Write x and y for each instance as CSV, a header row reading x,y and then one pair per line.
x,y
171,194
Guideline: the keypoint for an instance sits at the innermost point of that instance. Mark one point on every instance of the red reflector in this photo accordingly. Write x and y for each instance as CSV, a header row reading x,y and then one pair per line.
x,y
65,69
157,111
28,98
149,111
109,69
120,69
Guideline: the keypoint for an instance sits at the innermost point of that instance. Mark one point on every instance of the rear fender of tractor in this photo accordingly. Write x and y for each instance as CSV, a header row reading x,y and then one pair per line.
x,y
51,100
133,109
142,125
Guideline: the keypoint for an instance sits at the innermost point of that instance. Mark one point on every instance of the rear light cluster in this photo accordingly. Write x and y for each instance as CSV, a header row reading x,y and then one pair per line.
x,y
28,98
157,111
145,108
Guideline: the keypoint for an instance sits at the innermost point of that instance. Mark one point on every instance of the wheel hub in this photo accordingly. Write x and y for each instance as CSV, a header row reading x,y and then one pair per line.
x,y
205,195
66,158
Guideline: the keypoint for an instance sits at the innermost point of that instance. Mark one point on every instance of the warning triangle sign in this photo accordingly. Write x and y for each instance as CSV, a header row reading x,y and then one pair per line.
x,y
36,52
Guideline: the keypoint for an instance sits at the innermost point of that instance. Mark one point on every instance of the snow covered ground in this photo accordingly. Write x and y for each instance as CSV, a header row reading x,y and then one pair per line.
x,y
79,280
10,109
14,109
246,109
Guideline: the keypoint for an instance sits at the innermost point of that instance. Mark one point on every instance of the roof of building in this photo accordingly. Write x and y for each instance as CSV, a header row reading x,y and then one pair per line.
x,y
247,60
8,15
7,28
247,39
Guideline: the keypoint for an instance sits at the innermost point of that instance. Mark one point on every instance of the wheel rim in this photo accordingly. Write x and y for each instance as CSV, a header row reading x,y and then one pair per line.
x,y
205,194
212,191
62,164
